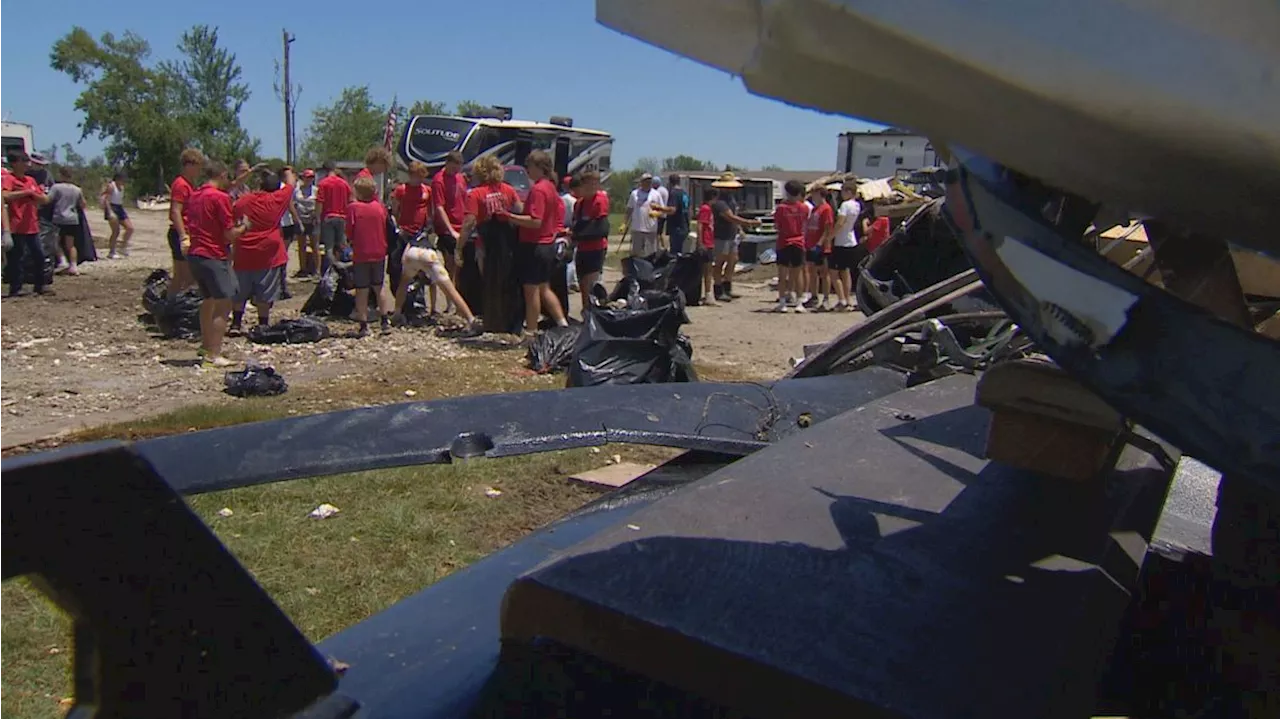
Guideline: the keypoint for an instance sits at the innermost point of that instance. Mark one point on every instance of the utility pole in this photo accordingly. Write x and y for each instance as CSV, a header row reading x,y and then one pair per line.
x,y
289,148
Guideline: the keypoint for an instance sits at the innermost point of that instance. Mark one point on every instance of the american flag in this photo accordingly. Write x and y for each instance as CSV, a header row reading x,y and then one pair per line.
x,y
389,134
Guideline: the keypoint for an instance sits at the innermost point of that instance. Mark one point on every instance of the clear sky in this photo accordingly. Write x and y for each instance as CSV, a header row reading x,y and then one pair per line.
x,y
541,58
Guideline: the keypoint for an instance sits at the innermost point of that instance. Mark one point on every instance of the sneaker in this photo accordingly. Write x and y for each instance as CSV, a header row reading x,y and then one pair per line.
x,y
822,307
850,308
805,299
364,330
218,362
113,256
709,301
385,325
235,330
801,309
782,307
474,328
810,303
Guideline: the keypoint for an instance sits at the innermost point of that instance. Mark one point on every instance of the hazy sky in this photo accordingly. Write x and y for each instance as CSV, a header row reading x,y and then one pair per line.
x,y
541,58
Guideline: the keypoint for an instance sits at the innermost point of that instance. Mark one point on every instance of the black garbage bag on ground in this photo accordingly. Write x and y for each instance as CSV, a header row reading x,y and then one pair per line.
x,y
685,274
552,350
633,346
179,318
663,271
154,292
254,382
332,296
299,331
416,308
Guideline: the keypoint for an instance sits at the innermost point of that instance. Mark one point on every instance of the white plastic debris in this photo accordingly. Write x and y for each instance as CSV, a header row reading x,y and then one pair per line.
x,y
633,527
491,492
324,511
410,393
616,459
595,450
225,512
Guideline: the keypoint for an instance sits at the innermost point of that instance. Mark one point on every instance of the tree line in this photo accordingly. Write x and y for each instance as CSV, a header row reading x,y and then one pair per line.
x,y
147,112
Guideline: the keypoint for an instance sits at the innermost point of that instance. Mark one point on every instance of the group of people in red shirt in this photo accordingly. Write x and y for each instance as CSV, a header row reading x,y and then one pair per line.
x,y
235,253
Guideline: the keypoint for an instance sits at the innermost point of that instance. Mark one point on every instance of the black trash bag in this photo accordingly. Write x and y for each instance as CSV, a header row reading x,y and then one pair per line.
x,y
626,288
254,382
552,350
332,296
154,292
685,274
633,346
85,251
293,332
416,308
179,318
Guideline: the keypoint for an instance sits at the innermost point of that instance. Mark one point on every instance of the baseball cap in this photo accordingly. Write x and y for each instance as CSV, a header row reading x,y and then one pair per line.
x,y
646,176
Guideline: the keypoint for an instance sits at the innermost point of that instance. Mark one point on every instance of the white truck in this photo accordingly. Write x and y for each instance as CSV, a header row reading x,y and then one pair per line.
x,y
17,136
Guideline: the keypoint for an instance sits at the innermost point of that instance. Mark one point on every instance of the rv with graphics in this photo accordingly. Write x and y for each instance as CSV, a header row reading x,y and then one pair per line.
x,y
428,138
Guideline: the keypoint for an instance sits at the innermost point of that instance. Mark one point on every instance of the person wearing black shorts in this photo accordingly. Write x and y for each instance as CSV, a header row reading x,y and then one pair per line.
x,y
590,233
535,254
847,251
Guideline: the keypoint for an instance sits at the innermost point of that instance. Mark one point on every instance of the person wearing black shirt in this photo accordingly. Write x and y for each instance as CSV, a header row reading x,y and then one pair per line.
x,y
678,220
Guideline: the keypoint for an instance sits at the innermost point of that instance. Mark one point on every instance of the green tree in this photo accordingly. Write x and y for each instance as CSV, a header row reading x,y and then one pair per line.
x,y
209,81
651,165
686,163
426,107
470,108
733,168
135,109
773,168
345,128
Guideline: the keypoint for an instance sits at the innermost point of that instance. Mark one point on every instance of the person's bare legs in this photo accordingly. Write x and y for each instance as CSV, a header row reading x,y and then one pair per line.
x,y
114,223
213,325
182,278
68,245
585,283
127,224
708,284
551,304
451,268
264,312
407,271
447,287
532,307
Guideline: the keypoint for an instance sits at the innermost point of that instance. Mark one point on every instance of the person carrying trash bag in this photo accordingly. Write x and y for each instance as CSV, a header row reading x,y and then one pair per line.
x,y
487,204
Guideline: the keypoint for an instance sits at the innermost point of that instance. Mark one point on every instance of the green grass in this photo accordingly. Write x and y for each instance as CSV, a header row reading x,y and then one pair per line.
x,y
398,530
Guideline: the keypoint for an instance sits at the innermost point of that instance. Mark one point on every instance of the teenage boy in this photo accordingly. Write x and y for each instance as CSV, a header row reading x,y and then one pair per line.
x,y
817,246
22,197
333,194
67,201
590,232
707,245
377,161
261,253
846,251
411,206
180,191
366,229
212,228
449,198
790,218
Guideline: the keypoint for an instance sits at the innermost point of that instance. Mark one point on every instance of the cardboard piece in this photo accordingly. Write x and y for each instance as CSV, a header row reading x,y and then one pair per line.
x,y
614,475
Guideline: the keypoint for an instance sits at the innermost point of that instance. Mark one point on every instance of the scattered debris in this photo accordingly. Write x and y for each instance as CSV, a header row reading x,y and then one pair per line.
x,y
338,667
595,450
225,512
616,459
633,527
255,381
613,475
491,493
324,511
805,420
410,393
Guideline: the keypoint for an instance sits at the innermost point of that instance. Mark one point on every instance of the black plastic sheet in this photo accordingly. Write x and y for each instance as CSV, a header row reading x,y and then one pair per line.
x,y
552,350
293,331
635,345
254,382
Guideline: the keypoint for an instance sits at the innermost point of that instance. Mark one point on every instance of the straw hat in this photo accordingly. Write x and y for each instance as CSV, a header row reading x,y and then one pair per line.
x,y
727,181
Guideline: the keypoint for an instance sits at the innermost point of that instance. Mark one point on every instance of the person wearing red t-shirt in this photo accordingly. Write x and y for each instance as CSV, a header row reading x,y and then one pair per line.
x,y
377,161
180,191
22,196
212,228
367,232
789,218
449,198
485,224
707,245
260,253
590,233
411,206
818,232
333,194
535,257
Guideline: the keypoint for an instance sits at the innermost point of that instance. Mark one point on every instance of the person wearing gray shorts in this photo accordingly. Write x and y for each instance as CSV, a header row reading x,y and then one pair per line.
x,y
262,287
333,234
215,278
644,244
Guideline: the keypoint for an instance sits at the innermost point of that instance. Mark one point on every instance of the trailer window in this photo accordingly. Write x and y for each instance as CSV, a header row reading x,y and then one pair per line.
x,y
430,137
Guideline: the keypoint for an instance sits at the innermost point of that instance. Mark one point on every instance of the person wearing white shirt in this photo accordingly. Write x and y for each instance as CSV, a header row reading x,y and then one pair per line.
x,y
644,207
571,185
846,250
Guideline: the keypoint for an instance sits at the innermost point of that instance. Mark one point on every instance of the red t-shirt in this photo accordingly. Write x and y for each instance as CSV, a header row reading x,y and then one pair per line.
x,y
335,194
544,204
878,234
367,231
180,191
415,205
820,220
487,201
706,226
790,218
23,214
261,247
449,192
592,209
208,215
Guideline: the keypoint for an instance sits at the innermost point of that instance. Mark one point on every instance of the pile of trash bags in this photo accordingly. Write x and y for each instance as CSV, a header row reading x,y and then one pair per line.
x,y
175,317
333,295
254,381
663,271
631,340
299,331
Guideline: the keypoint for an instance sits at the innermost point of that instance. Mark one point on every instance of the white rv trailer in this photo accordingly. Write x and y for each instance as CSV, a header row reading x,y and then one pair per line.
x,y
428,138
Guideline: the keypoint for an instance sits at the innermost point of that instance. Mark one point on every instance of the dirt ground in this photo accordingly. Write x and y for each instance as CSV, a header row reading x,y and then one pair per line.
x,y
83,358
